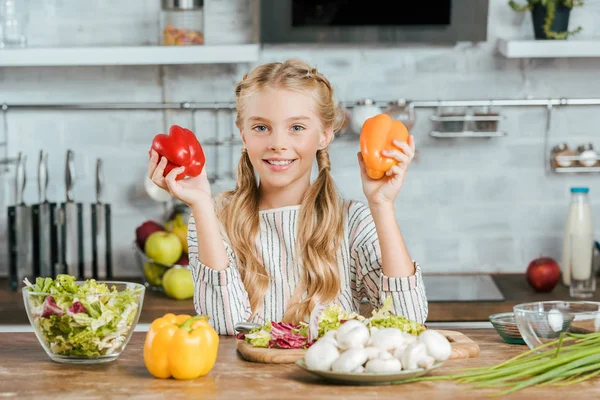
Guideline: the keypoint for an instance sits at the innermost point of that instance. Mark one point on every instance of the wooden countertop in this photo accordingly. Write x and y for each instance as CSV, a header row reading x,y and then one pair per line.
x,y
27,372
514,287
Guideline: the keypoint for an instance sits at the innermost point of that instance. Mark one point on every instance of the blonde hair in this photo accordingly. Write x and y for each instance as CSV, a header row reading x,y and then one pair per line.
x,y
321,218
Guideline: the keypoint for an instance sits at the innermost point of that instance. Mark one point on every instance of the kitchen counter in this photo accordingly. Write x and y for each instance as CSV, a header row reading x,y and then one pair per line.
x,y
27,372
514,287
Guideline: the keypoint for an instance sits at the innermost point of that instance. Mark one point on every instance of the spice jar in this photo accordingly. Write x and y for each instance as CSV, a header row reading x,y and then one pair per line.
x,y
402,111
587,155
453,119
486,120
562,150
362,111
182,22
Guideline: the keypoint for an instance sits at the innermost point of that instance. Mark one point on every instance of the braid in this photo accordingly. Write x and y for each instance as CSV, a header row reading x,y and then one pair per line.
x,y
323,161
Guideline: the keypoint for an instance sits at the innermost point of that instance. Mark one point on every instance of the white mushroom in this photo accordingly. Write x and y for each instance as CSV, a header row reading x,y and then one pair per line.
x,y
437,345
373,352
330,334
555,320
380,366
389,338
384,355
400,350
347,326
321,355
426,362
330,337
350,360
358,370
412,354
356,335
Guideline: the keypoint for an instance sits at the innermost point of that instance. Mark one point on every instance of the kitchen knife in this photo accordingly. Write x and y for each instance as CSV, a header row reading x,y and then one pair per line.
x,y
72,227
43,264
19,233
101,251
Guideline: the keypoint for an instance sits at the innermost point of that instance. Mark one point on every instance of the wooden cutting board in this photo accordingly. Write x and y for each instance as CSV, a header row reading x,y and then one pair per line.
x,y
462,347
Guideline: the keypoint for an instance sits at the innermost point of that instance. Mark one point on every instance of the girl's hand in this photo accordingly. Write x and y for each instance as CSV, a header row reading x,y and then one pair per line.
x,y
384,191
188,190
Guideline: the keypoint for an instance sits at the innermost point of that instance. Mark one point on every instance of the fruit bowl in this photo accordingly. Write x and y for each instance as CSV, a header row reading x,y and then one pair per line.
x,y
544,321
152,271
83,322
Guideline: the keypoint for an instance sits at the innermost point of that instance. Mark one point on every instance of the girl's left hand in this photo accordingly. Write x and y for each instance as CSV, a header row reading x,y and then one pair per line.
x,y
384,191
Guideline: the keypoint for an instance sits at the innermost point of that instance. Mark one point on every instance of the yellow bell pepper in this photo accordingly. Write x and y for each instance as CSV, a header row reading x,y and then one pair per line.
x,y
180,346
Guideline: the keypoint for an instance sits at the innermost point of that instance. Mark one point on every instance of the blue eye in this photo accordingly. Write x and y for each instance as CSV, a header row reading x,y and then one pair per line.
x,y
260,128
297,128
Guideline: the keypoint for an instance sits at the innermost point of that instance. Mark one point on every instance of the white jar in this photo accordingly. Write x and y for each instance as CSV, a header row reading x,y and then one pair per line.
x,y
362,111
587,155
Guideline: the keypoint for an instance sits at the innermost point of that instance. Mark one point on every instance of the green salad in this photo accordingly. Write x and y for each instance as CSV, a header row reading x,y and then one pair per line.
x,y
86,320
288,336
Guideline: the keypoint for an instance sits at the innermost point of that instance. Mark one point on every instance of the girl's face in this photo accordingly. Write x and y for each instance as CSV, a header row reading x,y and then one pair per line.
x,y
282,133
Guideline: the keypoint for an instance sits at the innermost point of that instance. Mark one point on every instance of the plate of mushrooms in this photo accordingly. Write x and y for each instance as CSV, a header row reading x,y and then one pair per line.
x,y
356,353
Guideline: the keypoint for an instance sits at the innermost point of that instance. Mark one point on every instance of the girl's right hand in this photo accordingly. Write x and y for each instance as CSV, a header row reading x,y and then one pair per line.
x,y
188,190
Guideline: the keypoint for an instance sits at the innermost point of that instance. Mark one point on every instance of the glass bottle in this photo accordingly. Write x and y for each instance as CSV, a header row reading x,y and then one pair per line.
x,y
13,21
579,221
402,111
182,22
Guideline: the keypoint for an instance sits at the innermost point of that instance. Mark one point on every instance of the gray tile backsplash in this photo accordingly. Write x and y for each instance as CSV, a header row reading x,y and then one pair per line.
x,y
467,205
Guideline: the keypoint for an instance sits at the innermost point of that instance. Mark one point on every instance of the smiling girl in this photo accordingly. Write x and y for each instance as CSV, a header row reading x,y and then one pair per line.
x,y
275,247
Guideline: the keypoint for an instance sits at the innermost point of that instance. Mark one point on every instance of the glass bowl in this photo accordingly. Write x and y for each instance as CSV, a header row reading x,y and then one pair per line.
x,y
89,330
152,271
506,326
544,321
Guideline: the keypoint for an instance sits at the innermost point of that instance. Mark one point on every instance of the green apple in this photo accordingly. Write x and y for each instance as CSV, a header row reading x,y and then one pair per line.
x,y
178,283
154,273
163,247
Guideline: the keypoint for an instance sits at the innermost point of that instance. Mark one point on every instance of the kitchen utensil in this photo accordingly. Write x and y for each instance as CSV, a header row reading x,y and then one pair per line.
x,y
72,224
19,232
462,347
245,327
363,110
505,325
544,321
101,231
87,346
42,226
366,378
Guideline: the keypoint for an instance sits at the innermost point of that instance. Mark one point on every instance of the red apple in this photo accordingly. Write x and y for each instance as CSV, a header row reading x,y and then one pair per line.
x,y
144,230
183,260
543,274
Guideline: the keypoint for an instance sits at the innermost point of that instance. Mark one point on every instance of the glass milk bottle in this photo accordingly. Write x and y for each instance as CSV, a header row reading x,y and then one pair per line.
x,y
579,221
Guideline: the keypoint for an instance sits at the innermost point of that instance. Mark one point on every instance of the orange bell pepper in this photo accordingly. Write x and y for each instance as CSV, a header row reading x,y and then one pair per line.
x,y
377,134
180,346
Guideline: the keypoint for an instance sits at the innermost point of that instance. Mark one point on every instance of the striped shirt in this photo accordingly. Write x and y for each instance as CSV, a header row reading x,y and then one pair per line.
x,y
222,295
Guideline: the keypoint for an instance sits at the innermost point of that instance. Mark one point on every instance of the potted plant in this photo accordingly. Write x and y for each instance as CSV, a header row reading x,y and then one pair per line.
x,y
550,17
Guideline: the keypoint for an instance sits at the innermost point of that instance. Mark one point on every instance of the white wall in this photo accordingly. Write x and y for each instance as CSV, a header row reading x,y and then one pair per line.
x,y
467,205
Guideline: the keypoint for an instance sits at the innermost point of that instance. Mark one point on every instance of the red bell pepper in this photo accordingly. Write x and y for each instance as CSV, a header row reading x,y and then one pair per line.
x,y
182,149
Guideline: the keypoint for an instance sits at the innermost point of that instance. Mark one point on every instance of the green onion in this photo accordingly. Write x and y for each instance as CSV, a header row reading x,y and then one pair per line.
x,y
542,366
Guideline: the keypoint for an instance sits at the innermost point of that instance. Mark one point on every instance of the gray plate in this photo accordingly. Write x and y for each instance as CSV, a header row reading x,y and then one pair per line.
x,y
368,378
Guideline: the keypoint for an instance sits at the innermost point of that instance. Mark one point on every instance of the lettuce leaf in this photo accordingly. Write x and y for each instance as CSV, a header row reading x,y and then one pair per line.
x,y
88,319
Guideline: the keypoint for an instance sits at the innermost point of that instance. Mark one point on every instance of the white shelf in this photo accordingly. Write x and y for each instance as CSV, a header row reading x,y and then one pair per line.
x,y
467,134
128,55
549,48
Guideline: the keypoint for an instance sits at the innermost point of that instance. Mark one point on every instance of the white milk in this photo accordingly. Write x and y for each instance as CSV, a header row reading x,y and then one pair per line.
x,y
579,221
